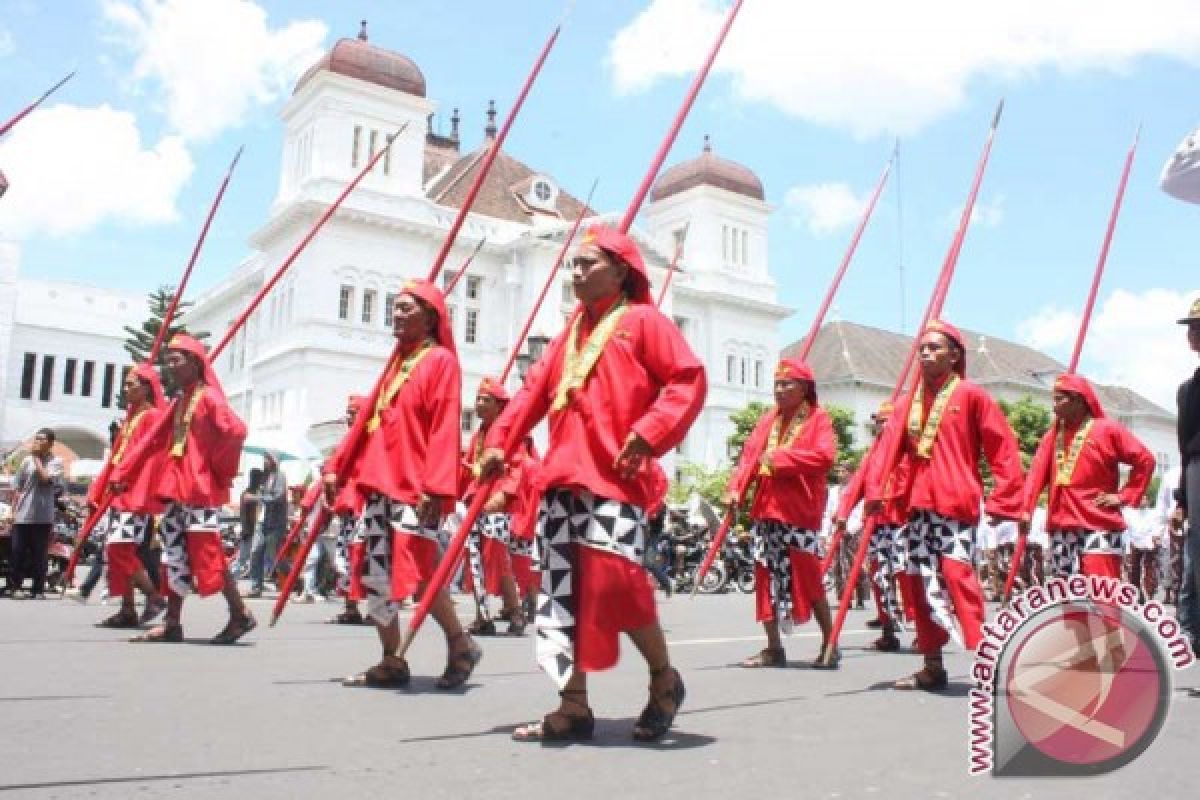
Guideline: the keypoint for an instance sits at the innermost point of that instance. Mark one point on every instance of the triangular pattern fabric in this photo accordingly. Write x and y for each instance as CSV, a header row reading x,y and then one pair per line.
x,y
930,538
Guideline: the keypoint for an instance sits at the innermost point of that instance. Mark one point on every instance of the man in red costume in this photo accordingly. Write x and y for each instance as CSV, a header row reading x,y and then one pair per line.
x,y
621,387
194,457
347,506
945,426
788,456
130,519
408,473
1080,457
490,564
889,583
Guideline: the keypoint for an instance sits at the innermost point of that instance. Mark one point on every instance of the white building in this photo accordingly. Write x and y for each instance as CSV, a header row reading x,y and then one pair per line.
x,y
856,367
63,345
324,331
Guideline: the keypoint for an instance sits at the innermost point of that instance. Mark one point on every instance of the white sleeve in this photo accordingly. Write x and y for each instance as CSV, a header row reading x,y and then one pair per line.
x,y
1181,174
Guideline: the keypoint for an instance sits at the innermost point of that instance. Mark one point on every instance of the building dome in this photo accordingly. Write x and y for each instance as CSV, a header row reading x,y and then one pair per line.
x,y
708,170
356,58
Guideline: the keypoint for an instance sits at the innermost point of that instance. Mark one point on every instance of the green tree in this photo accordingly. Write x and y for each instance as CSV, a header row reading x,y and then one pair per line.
x,y
709,482
843,428
1029,420
743,421
138,341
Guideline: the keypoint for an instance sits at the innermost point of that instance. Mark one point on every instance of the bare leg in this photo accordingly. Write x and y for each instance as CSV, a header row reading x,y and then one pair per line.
x,y
771,628
233,598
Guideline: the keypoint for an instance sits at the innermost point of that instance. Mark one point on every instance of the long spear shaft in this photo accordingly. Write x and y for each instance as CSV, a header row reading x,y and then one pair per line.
x,y
541,298
169,316
805,348
454,550
458,276
938,298
1084,324
29,108
493,151
662,293
92,519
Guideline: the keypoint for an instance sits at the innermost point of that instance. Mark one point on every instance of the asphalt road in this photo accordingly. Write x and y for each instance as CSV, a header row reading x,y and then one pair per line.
x,y
87,715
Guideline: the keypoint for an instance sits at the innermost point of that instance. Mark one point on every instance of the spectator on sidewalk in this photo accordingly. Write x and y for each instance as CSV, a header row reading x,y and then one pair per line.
x,y
273,498
39,482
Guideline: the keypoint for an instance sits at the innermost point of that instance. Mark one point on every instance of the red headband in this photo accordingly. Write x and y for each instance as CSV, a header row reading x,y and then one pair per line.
x,y
622,246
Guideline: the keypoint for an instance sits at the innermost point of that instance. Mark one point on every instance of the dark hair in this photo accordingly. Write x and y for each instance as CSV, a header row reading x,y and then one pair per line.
x,y
256,478
48,433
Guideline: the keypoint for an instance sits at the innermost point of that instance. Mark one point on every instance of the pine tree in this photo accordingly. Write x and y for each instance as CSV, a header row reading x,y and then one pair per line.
x,y
138,341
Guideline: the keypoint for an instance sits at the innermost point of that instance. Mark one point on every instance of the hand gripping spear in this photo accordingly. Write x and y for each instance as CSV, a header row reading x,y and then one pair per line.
x,y
1081,335
891,455
93,518
805,348
350,448
455,549
29,108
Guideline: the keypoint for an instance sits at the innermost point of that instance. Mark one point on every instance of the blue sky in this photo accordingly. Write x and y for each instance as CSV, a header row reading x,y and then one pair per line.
x,y
810,97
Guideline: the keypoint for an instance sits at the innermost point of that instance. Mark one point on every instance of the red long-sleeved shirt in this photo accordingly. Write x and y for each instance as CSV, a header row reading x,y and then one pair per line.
x,y
794,493
139,496
203,474
646,381
509,483
1109,444
415,449
948,482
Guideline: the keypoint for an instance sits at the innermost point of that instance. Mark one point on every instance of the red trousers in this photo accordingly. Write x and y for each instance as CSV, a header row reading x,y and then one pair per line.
x,y
966,597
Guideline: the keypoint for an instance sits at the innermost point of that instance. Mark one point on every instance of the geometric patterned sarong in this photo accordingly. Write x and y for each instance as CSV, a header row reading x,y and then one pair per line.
x,y
570,518
381,515
886,549
929,538
177,522
125,527
772,540
1069,544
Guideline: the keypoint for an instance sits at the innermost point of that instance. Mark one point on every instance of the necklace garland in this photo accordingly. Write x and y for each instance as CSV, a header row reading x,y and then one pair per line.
x,y
389,392
1066,458
784,438
182,422
126,434
925,434
577,362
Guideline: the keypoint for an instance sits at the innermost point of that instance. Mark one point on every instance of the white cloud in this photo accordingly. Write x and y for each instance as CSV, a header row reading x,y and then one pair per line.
x,y
71,169
212,60
825,207
895,67
1132,341
985,214
7,45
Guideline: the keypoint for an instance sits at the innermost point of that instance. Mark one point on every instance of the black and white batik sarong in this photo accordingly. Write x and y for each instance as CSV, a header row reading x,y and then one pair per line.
x,y
125,527
886,565
381,516
1069,544
772,540
568,518
491,526
177,521
929,538
341,552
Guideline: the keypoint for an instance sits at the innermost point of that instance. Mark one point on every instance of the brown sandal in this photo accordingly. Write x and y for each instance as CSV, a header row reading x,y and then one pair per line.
x,y
559,726
236,628
125,618
482,627
461,665
888,643
517,623
767,657
655,719
168,633
381,676
929,678
351,616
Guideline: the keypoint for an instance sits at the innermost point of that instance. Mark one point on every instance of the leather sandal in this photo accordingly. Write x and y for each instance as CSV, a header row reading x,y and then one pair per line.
x,y
559,726
517,623
656,719
236,628
930,678
351,616
125,618
767,657
169,633
821,662
461,665
152,611
888,643
482,627
381,676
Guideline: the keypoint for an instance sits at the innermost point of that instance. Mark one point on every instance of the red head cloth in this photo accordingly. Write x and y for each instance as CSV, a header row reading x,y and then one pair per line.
x,y
885,410
355,401
793,369
149,374
952,333
1077,384
432,297
621,245
194,347
490,387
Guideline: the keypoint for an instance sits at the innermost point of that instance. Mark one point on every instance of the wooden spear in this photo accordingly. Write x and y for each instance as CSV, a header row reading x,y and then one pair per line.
x,y
891,455
662,293
1081,334
29,108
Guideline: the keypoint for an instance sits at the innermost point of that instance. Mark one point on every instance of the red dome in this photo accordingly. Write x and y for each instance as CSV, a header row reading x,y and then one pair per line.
x,y
708,170
356,58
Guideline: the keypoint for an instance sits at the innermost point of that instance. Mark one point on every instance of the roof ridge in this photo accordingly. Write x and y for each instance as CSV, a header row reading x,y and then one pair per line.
x,y
478,156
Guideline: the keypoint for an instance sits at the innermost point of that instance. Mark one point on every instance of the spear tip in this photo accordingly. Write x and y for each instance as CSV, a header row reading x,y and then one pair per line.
x,y
996,116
